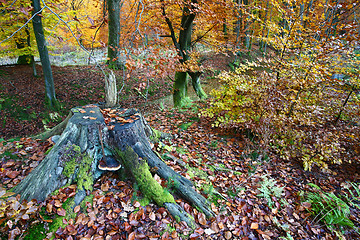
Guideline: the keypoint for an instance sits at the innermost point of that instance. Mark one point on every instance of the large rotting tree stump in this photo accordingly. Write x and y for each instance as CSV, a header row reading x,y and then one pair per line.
x,y
92,142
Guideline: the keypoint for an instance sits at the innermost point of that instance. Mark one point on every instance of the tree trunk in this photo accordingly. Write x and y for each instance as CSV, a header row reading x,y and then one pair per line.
x,y
50,97
113,7
183,47
110,90
82,148
195,80
180,97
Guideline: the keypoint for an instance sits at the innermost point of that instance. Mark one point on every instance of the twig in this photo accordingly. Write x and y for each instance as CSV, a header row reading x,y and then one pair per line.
x,y
22,25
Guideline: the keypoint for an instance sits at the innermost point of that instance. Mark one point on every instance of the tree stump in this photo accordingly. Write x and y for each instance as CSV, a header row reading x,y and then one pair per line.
x,y
94,138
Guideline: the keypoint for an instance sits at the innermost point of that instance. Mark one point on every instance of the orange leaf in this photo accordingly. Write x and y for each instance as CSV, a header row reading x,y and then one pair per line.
x,y
12,174
131,236
254,226
202,219
77,209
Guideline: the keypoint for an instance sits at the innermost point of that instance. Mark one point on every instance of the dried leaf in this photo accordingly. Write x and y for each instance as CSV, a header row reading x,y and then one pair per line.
x,y
77,209
254,226
202,218
152,216
61,212
12,174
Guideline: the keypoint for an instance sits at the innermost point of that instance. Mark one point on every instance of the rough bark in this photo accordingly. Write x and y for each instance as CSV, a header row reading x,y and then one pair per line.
x,y
140,171
137,136
77,153
50,97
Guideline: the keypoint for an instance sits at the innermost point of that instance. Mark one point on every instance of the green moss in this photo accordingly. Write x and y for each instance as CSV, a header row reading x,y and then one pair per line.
x,y
36,232
85,180
150,187
147,184
155,137
195,172
181,150
69,205
144,201
75,162
89,198
185,126
70,167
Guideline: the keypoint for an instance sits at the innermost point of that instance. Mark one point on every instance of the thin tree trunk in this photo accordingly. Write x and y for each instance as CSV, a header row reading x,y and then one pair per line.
x,y
268,31
114,60
195,80
50,98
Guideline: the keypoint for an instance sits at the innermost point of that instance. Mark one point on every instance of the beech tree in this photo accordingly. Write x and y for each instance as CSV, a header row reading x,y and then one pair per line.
x,y
13,16
298,90
184,42
50,98
113,8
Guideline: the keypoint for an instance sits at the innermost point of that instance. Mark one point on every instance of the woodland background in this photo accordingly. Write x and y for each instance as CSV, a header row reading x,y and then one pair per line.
x,y
273,142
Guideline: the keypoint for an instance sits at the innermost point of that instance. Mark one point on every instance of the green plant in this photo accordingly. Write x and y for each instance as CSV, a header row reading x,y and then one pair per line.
x,y
353,197
268,189
214,144
51,117
328,208
186,125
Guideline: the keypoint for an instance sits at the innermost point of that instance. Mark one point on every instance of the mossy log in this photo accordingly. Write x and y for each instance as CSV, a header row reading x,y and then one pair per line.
x,y
82,148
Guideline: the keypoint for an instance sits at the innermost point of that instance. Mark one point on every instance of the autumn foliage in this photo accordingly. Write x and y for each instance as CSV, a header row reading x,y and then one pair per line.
x,y
293,102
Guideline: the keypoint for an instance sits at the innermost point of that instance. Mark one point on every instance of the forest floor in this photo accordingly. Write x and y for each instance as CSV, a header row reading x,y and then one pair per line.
x,y
255,196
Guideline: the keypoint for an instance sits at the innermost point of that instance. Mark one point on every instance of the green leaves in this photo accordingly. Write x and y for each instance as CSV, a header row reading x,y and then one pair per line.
x,y
328,208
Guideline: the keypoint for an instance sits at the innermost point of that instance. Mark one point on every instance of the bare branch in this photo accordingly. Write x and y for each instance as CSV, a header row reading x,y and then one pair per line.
x,y
22,25
8,6
172,32
77,40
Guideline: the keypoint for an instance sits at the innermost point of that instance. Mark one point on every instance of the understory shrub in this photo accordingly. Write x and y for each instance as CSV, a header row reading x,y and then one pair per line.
x,y
293,110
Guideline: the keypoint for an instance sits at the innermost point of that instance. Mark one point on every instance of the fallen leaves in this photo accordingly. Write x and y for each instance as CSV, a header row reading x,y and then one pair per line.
x,y
61,212
115,211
